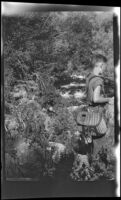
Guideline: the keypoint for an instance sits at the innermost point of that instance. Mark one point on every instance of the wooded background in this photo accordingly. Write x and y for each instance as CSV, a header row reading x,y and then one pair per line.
x,y
53,42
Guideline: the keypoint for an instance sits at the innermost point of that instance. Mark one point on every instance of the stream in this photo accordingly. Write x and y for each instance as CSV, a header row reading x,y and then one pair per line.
x,y
74,86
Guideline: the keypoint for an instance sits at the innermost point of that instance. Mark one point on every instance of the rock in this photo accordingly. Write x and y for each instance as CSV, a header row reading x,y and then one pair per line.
x,y
19,92
59,149
72,85
11,122
65,95
79,94
77,133
77,76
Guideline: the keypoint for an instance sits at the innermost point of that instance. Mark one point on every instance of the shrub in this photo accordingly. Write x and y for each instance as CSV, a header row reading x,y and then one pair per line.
x,y
63,123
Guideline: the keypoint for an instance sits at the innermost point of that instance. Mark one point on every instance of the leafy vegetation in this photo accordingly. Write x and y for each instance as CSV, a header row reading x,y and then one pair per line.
x,y
41,52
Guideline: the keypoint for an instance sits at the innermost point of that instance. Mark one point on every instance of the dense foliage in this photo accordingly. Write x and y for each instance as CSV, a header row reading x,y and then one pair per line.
x,y
40,50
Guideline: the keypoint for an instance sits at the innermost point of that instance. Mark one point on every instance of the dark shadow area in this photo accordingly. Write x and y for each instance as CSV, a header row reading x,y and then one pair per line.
x,y
58,188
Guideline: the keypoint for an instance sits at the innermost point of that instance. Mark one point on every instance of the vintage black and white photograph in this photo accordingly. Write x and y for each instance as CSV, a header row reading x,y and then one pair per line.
x,y
59,93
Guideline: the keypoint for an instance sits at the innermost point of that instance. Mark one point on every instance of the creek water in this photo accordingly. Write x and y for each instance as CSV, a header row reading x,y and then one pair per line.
x,y
71,85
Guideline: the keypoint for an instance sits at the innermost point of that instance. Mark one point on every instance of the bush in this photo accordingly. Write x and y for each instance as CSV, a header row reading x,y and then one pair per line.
x,y
63,123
